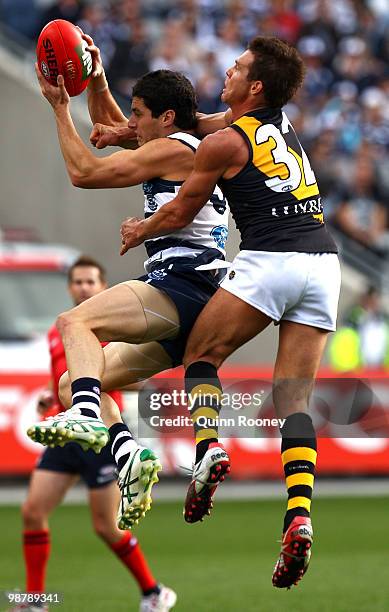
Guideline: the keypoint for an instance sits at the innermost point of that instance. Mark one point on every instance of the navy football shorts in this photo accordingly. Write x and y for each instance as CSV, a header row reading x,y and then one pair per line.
x,y
190,291
96,470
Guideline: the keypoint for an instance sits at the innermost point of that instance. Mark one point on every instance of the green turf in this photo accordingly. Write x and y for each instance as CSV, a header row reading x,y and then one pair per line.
x,y
222,565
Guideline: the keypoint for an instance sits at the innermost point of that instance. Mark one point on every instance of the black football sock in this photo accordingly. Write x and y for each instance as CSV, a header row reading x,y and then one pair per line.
x,y
204,392
298,452
122,443
86,396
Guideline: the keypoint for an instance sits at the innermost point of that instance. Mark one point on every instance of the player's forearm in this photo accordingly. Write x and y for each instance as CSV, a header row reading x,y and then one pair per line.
x,y
78,159
171,217
102,106
208,124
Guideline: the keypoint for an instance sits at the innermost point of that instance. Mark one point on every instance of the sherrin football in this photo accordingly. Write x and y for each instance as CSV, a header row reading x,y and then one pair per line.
x,y
62,50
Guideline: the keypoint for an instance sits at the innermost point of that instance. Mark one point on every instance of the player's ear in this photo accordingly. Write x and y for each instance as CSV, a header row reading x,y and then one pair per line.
x,y
168,118
256,87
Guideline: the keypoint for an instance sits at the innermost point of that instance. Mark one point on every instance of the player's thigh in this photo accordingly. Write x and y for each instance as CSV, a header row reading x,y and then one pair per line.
x,y
223,326
124,364
132,311
299,354
127,363
46,491
300,350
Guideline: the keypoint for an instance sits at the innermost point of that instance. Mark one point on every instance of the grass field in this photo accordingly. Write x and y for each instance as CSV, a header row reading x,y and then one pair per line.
x,y
222,565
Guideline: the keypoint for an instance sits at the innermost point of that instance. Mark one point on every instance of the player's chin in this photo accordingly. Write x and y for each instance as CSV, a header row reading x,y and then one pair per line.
x,y
224,96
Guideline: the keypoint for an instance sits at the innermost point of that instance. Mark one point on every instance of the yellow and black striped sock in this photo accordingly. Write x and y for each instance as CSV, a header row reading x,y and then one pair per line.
x,y
204,391
298,452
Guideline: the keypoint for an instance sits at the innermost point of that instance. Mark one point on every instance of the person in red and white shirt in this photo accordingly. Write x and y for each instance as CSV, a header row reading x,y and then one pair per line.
x,y
59,468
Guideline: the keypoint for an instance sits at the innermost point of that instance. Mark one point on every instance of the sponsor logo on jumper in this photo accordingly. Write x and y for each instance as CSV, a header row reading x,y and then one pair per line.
x,y
313,206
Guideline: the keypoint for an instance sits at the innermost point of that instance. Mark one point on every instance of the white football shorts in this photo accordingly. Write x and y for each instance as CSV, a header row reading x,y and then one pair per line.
x,y
299,287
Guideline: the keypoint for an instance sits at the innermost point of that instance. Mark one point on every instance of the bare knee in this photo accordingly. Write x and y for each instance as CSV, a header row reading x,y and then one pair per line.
x,y
64,321
104,530
64,391
34,517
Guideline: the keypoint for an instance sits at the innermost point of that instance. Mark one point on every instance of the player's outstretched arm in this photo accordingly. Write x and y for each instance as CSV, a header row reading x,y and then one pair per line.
x,y
208,124
212,159
102,106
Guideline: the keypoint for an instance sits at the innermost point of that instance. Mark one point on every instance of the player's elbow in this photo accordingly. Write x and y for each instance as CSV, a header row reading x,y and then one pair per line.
x,y
84,173
81,179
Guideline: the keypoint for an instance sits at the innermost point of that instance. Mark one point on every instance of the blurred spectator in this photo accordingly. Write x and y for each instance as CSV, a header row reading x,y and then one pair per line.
x,y
96,21
228,45
375,118
209,85
318,77
355,62
62,9
363,338
176,50
287,22
361,215
129,60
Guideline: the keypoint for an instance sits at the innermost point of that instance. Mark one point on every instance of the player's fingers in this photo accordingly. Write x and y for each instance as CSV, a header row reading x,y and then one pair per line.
x,y
95,133
124,226
105,140
38,73
61,85
88,39
92,48
102,143
124,248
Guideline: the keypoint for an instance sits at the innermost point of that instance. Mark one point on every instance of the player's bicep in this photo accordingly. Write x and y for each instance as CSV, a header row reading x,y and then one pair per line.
x,y
122,169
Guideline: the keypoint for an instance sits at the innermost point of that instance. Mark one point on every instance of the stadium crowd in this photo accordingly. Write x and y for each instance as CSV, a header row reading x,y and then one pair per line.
x,y
341,114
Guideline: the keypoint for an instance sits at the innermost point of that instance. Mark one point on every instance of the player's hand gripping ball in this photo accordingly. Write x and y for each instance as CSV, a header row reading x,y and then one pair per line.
x,y
62,50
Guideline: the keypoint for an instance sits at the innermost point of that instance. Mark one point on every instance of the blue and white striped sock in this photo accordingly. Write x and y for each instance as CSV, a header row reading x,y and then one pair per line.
x,y
86,396
122,443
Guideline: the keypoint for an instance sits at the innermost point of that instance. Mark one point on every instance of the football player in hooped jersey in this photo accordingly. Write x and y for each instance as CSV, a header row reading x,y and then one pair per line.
x,y
59,468
148,320
287,271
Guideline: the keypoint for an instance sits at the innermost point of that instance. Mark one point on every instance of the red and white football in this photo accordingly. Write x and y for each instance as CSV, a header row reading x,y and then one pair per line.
x,y
62,50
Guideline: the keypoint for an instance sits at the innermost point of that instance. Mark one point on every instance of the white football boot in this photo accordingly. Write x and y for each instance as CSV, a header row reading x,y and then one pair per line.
x,y
136,479
70,426
207,474
162,602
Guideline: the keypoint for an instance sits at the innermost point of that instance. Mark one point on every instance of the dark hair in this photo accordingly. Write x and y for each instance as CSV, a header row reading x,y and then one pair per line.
x,y
280,68
164,90
87,262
